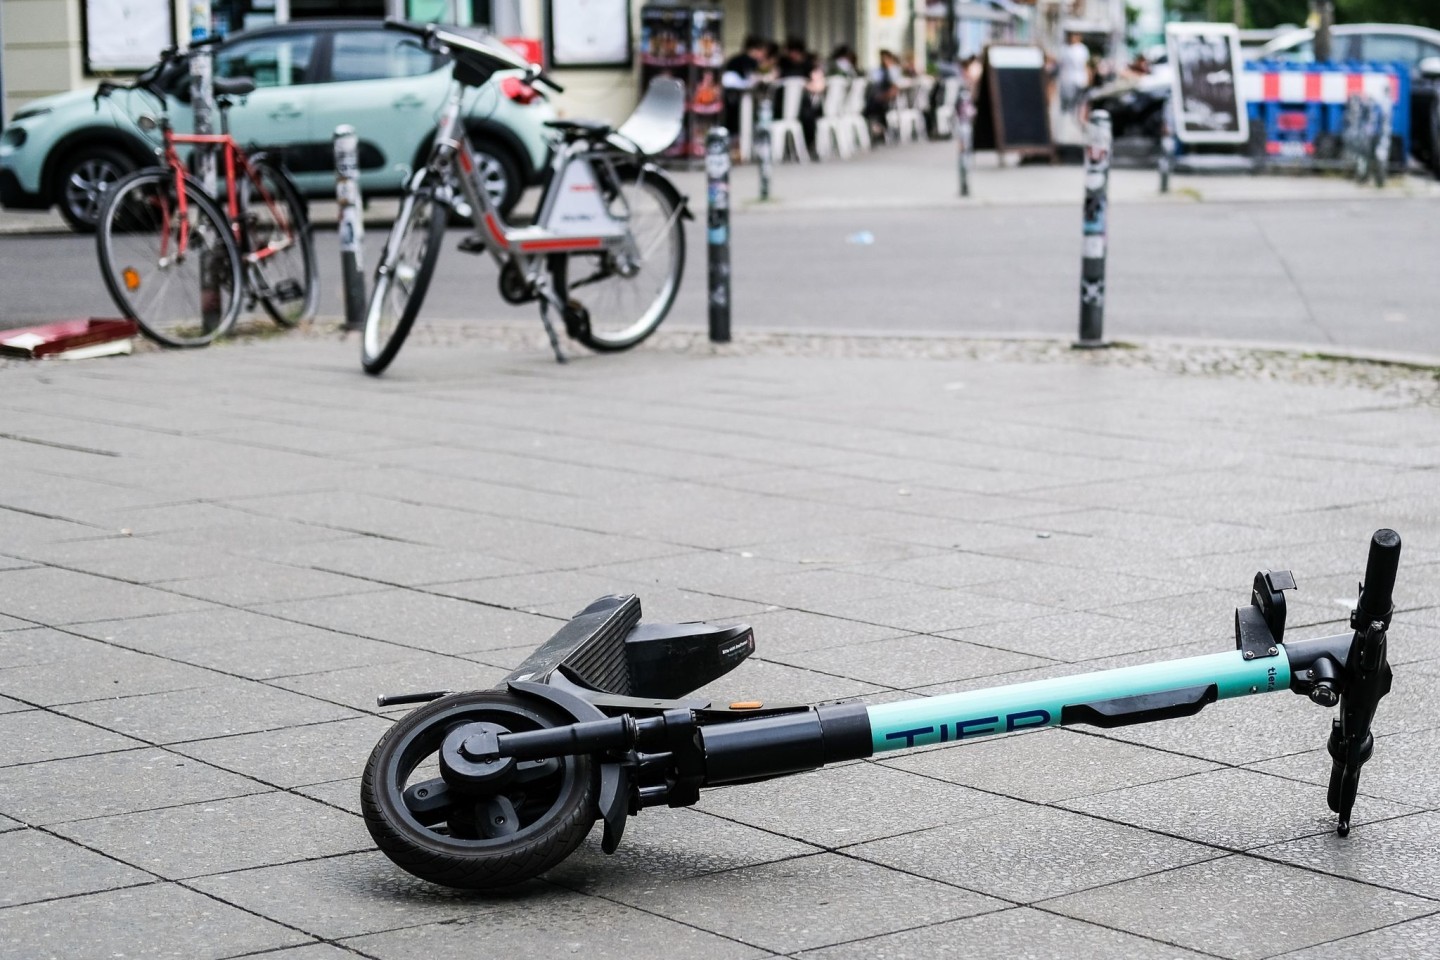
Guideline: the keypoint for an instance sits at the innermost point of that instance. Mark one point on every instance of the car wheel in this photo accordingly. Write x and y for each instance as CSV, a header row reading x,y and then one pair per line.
x,y
499,175
82,181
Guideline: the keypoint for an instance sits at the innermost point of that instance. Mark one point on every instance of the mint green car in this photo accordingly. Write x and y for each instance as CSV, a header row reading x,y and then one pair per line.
x,y
311,77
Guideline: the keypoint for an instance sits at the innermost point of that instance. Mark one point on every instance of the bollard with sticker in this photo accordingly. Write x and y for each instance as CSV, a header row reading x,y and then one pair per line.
x,y
965,136
351,224
1097,203
717,223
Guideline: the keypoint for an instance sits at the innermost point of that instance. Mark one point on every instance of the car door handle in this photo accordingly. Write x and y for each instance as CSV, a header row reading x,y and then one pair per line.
x,y
408,102
285,111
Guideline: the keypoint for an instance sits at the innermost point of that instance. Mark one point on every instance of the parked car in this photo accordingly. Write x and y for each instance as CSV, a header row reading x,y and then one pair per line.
x,y
311,76
1416,47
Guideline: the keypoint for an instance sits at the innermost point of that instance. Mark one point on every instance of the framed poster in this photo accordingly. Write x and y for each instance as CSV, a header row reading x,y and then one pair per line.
x,y
126,34
588,33
1206,61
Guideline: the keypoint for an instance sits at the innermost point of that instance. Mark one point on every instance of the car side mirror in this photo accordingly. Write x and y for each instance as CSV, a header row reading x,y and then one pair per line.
x,y
1429,68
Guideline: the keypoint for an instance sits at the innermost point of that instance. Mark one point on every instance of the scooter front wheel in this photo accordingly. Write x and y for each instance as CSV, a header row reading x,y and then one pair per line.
x,y
472,825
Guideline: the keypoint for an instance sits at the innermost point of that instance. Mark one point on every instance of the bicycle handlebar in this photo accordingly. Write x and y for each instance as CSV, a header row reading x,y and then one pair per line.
x,y
459,46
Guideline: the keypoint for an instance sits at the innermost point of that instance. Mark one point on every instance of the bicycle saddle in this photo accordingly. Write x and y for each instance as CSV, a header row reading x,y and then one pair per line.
x,y
234,86
580,129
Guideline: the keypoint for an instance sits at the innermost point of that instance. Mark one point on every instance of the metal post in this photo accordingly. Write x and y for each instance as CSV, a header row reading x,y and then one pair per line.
x,y
1092,268
764,154
1166,163
352,224
717,222
965,135
202,89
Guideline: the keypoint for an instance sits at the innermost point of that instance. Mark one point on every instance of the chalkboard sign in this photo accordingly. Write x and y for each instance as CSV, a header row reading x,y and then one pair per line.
x,y
1012,113
1208,104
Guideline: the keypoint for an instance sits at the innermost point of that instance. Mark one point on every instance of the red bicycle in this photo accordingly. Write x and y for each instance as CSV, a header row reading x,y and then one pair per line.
x,y
177,263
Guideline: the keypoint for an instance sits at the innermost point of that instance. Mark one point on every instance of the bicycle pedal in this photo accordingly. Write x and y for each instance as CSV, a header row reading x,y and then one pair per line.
x,y
287,291
471,244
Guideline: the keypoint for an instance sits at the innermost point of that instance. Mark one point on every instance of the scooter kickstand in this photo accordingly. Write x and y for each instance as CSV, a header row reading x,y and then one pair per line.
x,y
550,331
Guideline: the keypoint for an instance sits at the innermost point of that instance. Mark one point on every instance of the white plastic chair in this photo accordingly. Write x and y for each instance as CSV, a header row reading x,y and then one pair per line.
x,y
786,127
945,112
904,121
830,129
852,115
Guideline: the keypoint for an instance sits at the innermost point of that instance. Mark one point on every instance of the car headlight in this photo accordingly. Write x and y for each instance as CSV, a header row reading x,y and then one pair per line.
x,y
28,112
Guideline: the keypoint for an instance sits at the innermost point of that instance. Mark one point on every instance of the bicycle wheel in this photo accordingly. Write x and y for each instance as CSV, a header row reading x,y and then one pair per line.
x,y
278,247
402,277
176,275
619,298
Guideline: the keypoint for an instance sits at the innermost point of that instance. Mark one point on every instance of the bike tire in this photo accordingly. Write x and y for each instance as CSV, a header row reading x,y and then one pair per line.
x,y
560,810
402,277
286,283
168,297
614,311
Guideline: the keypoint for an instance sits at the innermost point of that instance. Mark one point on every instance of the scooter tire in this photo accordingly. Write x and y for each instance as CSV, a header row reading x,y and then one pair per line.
x,y
476,863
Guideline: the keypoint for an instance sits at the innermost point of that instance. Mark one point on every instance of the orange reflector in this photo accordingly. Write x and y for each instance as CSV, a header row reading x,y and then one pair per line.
x,y
132,279
746,705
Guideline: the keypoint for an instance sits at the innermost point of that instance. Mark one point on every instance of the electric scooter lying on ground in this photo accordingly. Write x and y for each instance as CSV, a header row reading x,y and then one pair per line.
x,y
487,789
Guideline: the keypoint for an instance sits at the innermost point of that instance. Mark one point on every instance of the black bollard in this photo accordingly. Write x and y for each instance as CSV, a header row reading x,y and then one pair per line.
x,y
1166,164
717,222
965,136
1097,203
351,225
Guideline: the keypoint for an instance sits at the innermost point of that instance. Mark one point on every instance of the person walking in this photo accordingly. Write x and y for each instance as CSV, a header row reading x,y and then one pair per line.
x,y
1074,74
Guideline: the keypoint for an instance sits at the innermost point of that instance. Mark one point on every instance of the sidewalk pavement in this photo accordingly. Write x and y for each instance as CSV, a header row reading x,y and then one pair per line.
x,y
923,176
212,561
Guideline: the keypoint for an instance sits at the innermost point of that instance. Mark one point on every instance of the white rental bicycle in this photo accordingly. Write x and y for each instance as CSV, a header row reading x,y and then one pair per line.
x,y
607,249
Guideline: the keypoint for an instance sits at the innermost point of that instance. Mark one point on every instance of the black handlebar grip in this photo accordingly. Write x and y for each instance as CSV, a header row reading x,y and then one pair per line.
x,y
1379,585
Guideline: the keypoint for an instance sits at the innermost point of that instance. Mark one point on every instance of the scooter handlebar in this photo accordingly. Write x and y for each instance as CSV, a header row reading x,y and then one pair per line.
x,y
1376,592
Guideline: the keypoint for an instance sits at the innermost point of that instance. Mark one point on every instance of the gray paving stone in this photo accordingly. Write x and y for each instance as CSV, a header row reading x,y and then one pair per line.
x,y
359,686
318,951
224,707
1020,932
808,902
1076,637
160,920
777,683
42,645
662,845
1196,907
13,623
136,559
1413,940
1028,853
294,756
12,706
258,583
112,783
1238,809
99,673
791,631
1399,854
396,561
259,830
341,794
35,866
173,635
1405,767
668,605
910,661
6,824
362,893
421,621
53,596
851,803
585,926
33,735
936,611
1048,765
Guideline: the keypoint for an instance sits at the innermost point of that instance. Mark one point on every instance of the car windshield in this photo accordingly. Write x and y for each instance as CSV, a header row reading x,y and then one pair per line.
x,y
378,55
